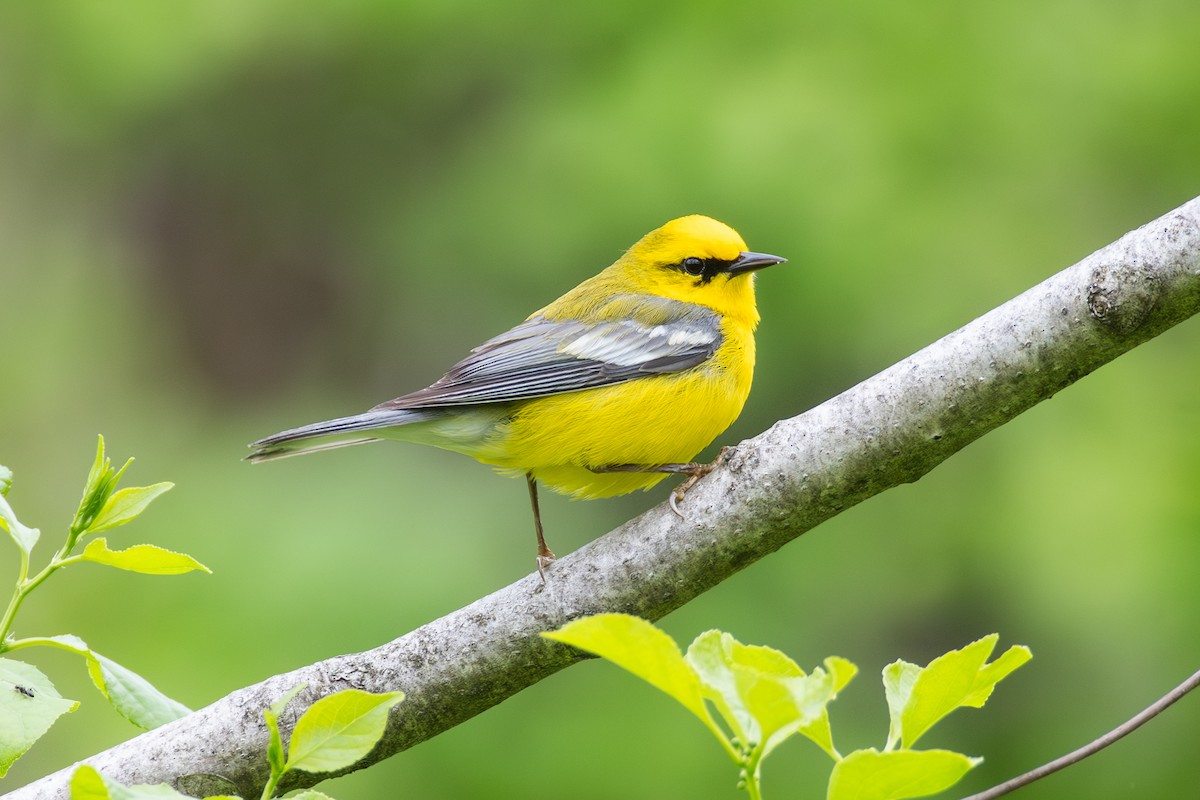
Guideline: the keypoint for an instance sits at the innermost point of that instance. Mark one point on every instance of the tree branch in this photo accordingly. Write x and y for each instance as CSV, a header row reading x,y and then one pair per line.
x,y
890,429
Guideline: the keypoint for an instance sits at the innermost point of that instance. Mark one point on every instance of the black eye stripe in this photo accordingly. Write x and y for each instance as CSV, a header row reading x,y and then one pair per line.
x,y
703,268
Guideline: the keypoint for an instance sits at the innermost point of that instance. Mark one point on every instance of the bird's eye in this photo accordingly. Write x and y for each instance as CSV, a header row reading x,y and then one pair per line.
x,y
693,265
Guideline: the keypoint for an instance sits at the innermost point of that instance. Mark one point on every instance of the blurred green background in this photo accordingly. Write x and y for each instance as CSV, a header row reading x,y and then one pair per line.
x,y
220,219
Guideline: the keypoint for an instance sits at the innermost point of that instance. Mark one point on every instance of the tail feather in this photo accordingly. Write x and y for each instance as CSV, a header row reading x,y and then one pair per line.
x,y
330,434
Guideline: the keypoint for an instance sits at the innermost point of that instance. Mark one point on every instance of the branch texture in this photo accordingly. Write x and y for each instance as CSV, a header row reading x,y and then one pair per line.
x,y
888,430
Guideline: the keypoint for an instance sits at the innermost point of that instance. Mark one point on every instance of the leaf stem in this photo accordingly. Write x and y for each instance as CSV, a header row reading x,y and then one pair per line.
x,y
14,603
25,585
272,783
751,770
42,641
752,788
723,738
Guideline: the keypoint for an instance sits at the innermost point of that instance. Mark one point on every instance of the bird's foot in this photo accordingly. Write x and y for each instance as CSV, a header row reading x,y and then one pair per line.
x,y
544,559
694,474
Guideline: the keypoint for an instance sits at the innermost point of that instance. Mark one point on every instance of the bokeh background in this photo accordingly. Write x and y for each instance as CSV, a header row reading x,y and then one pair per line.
x,y
219,219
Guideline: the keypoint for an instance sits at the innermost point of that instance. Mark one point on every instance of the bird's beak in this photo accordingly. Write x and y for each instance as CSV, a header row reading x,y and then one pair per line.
x,y
749,262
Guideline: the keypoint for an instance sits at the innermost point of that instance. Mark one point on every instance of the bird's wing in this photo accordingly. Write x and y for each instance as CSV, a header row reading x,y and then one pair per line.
x,y
628,337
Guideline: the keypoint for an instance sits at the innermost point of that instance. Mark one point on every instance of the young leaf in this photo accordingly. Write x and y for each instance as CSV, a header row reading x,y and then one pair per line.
x,y
282,701
29,705
132,695
919,697
995,672
783,714
841,672
311,794
637,646
762,694
88,784
70,641
275,742
129,693
338,730
745,683
144,558
24,536
126,504
899,678
710,659
96,490
872,775
5,480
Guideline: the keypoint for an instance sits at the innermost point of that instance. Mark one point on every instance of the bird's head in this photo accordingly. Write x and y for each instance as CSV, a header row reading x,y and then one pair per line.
x,y
698,260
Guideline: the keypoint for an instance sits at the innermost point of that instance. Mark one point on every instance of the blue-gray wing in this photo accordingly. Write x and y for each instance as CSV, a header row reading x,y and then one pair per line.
x,y
642,335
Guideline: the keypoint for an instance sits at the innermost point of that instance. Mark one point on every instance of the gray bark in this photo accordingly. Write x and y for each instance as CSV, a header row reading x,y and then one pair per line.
x,y
890,429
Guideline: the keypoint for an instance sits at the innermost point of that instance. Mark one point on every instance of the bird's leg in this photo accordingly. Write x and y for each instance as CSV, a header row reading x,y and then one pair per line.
x,y
695,471
544,555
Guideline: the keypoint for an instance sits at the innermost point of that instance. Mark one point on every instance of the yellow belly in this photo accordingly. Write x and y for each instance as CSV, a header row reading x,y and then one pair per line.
x,y
654,420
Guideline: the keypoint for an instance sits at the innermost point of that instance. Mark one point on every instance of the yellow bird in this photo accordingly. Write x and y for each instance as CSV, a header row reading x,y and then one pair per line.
x,y
608,389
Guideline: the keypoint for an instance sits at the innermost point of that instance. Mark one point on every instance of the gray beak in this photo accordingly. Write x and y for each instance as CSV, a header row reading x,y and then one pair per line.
x,y
749,262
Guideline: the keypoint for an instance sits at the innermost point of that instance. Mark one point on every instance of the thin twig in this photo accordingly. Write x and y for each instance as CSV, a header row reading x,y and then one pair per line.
x,y
1093,747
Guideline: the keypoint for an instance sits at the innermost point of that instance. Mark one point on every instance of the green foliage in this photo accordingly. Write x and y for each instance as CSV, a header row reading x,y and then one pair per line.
x,y
763,698
144,558
338,730
872,775
920,696
88,784
333,733
29,705
32,705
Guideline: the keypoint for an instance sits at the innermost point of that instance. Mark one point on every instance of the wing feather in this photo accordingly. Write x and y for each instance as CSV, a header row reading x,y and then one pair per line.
x,y
628,337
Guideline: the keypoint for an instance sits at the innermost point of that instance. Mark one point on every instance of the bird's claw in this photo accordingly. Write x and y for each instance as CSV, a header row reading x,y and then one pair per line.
x,y
544,560
673,502
679,493
693,478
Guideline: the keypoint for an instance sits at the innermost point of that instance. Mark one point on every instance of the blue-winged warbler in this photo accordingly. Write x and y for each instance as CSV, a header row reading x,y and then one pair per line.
x,y
617,383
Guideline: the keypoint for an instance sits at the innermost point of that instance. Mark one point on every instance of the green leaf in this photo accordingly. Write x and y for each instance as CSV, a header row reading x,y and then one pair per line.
x,y
636,645
132,695
899,678
99,485
872,775
5,480
762,694
144,558
24,536
29,705
919,697
88,784
995,672
126,504
711,660
281,703
311,794
70,641
275,742
338,730
842,671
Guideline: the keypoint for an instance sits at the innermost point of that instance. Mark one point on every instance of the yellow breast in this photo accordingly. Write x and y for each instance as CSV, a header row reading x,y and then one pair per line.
x,y
654,420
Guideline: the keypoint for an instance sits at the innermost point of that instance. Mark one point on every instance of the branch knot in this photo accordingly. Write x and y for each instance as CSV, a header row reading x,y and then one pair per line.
x,y
1121,296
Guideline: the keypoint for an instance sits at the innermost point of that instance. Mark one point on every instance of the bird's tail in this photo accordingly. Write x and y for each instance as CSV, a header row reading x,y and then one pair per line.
x,y
341,432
